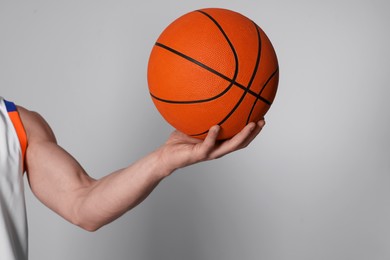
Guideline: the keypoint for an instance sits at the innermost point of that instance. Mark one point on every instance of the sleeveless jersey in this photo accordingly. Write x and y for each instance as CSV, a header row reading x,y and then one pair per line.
x,y
13,221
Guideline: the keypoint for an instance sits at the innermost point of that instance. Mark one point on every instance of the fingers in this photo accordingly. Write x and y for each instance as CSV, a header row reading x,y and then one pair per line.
x,y
240,140
211,148
258,127
209,142
211,137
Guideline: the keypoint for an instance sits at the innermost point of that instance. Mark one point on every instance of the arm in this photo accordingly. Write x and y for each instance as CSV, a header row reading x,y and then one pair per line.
x,y
60,182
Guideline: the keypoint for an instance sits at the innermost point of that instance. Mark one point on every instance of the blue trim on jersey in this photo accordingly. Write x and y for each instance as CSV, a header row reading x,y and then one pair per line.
x,y
10,106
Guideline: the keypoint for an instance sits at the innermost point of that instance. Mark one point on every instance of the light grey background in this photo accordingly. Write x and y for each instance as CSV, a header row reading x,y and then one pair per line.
x,y
314,185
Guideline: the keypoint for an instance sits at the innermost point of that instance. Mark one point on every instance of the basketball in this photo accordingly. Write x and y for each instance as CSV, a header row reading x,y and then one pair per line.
x,y
212,67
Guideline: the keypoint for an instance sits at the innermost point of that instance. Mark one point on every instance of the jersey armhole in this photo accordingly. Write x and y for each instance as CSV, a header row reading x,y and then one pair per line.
x,y
19,128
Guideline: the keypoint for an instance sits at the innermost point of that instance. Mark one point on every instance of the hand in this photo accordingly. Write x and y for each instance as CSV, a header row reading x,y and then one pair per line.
x,y
181,150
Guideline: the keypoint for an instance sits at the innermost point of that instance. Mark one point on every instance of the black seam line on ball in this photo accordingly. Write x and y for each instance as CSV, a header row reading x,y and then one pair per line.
x,y
247,89
228,41
265,84
259,46
212,71
261,91
255,69
201,65
231,81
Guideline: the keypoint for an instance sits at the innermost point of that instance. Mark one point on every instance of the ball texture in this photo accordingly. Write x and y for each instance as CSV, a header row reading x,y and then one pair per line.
x,y
212,67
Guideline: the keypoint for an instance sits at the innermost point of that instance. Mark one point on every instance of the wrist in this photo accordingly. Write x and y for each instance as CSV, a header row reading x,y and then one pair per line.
x,y
165,158
163,163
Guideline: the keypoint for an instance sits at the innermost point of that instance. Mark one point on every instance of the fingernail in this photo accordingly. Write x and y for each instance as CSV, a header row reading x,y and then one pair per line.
x,y
262,123
216,128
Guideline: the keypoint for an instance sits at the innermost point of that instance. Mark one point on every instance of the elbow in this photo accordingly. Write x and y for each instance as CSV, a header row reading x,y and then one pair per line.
x,y
82,215
89,226
86,222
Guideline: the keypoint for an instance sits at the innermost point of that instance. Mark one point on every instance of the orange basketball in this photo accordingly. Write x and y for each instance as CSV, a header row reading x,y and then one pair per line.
x,y
212,67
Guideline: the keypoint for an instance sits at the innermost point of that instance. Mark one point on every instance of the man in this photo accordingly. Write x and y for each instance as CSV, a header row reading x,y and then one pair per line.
x,y
27,144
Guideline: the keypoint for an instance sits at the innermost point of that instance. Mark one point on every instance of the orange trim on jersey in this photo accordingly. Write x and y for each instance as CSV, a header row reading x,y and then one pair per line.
x,y
21,133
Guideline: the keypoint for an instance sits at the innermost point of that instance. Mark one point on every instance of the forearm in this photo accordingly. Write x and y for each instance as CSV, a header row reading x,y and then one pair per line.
x,y
117,193
110,197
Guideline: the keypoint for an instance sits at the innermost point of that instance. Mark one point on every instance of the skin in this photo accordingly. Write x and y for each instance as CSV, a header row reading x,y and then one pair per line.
x,y
60,182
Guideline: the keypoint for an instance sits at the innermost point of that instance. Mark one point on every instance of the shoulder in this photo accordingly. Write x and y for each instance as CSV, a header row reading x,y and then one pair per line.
x,y
36,127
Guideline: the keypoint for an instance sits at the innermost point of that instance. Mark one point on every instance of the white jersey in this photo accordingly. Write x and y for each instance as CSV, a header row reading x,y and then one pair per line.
x,y
13,221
